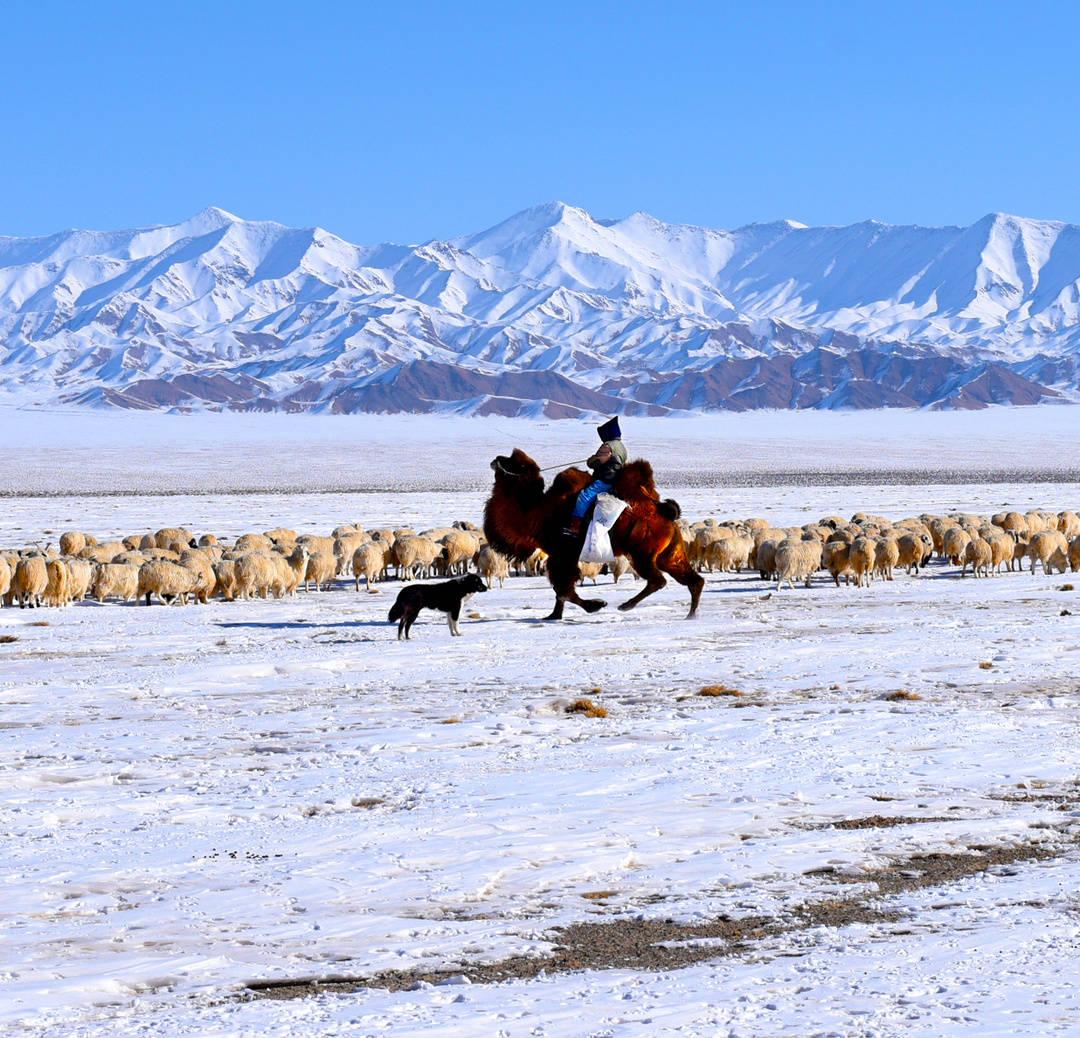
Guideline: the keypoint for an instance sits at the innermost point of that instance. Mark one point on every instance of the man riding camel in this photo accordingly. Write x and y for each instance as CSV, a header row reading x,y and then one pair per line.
x,y
605,464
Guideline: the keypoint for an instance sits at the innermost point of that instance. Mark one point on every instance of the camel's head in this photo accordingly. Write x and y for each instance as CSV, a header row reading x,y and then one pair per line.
x,y
518,466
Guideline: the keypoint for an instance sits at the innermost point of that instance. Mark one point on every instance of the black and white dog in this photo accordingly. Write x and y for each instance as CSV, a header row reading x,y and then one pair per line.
x,y
447,595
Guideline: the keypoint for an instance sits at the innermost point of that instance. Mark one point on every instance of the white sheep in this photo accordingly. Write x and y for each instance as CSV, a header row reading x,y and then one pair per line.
x,y
56,590
166,580
459,548
174,535
954,541
369,561
836,557
730,554
978,555
206,582
321,568
80,576
861,557
116,579
293,568
30,580
255,574
492,566
225,578
1050,548
886,555
796,560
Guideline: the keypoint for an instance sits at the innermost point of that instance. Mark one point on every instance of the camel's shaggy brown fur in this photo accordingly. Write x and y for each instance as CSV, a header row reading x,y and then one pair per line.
x,y
522,516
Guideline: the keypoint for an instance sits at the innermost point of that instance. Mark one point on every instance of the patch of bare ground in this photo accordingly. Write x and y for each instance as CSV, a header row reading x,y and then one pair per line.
x,y
665,944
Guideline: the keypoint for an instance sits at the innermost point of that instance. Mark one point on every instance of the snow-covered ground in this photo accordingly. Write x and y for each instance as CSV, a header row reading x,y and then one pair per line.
x,y
195,799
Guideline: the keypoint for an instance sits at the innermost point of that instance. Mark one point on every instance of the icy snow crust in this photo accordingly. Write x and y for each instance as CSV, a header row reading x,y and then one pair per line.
x,y
194,799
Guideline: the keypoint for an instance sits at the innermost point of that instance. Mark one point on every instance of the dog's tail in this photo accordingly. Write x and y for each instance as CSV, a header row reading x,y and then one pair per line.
x,y
396,612
669,509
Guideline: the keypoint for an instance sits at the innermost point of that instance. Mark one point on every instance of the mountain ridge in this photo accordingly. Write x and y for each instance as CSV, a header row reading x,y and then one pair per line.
x,y
548,311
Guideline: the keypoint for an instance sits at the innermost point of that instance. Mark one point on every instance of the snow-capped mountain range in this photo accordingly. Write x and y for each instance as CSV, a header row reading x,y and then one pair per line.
x,y
551,312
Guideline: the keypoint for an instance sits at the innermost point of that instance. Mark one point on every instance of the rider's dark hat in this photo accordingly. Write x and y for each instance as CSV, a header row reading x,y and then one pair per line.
x,y
610,430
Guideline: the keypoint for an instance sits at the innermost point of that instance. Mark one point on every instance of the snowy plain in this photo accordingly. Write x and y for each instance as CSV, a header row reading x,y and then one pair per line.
x,y
198,799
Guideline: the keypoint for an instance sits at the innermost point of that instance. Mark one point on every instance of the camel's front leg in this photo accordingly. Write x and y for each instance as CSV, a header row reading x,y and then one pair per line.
x,y
564,579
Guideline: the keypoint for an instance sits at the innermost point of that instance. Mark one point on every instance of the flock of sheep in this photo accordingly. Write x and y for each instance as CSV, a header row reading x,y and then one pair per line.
x,y
172,566
867,546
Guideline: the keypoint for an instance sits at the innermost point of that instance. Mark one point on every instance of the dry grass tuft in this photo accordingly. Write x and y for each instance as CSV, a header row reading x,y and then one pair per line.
x,y
901,696
986,665
719,690
7,639
368,802
1066,587
451,720
599,895
586,707
40,623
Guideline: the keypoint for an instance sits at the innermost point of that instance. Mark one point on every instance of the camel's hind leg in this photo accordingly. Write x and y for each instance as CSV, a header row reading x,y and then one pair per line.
x,y
673,561
654,580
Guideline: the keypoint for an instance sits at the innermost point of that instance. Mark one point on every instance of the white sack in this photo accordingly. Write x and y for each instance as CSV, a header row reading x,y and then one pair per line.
x,y
597,546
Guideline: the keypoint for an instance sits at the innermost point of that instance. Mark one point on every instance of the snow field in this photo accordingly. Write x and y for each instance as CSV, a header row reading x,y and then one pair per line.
x,y
196,798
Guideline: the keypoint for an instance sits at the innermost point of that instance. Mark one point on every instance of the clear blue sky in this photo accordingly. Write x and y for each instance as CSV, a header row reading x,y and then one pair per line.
x,y
404,122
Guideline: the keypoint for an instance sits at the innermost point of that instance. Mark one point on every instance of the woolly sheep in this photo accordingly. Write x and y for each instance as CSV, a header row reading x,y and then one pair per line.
x,y
861,556
72,542
369,561
345,547
225,578
314,543
5,580
954,541
886,555
104,552
978,555
321,568
620,567
730,554
492,566
255,574
171,535
133,558
30,580
911,551
198,564
56,590
293,567
588,571
249,542
836,557
1068,523
283,536
459,548
766,556
164,580
116,579
1074,555
796,560
80,575
413,556
1050,548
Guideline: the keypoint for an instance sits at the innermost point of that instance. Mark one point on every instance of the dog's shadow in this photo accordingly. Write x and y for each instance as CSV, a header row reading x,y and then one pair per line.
x,y
296,625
